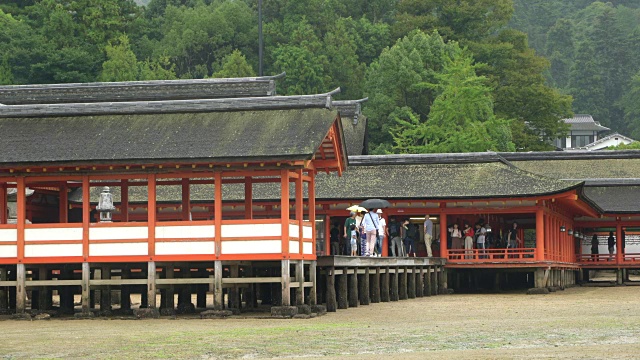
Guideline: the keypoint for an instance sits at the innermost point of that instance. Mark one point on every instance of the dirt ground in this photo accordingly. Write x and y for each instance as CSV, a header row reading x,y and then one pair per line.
x,y
578,323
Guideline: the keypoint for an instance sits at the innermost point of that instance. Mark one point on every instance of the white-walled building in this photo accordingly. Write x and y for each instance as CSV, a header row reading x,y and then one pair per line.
x,y
583,131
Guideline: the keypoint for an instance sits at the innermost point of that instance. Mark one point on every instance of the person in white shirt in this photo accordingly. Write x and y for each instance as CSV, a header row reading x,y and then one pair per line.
x,y
382,226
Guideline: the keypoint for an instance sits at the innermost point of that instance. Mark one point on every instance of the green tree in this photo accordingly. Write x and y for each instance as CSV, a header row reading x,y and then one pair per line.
x,y
396,81
234,65
343,68
121,64
461,117
631,106
6,76
159,69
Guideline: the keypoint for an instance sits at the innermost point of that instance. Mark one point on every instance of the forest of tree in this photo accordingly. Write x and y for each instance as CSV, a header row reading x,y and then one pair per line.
x,y
441,76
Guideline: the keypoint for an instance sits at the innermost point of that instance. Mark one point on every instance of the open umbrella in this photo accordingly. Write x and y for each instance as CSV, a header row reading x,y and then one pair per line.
x,y
375,204
356,208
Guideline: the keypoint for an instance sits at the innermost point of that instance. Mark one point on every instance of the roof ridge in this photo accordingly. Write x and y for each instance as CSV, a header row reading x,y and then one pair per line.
x,y
170,106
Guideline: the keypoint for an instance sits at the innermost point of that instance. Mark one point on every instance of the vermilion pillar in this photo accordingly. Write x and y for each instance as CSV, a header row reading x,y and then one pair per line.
x,y
3,203
217,211
312,208
186,200
63,207
284,211
299,206
540,234
443,236
152,213
619,257
21,205
248,198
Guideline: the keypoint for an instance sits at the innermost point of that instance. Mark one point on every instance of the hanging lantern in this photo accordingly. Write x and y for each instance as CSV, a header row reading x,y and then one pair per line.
x,y
570,232
563,229
105,205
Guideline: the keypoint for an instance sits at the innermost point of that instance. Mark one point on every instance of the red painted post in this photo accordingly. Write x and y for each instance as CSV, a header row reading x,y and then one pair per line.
x,y
443,236
540,234
284,211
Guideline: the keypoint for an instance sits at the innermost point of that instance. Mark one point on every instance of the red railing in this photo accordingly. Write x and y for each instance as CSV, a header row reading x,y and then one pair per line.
x,y
605,259
492,255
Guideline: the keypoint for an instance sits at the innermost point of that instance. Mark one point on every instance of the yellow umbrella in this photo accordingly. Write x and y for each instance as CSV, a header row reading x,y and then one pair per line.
x,y
356,208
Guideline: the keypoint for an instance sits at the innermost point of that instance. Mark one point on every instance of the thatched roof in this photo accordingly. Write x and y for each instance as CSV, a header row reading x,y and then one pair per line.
x,y
182,137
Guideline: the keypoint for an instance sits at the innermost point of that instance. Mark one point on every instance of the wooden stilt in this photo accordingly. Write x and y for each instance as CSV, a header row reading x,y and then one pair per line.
x,y
21,292
125,291
420,282
375,286
403,283
285,282
201,291
353,288
105,291
151,285
395,294
234,292
218,299
365,298
4,296
169,299
434,281
313,291
332,302
184,292
442,280
427,285
86,288
384,287
66,292
411,283
300,280
343,290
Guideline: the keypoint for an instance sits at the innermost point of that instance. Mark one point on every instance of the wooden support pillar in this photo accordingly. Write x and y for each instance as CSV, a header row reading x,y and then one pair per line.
x,y
63,206
168,300
332,302
186,200
217,218
151,216
375,286
300,280
420,282
619,255
218,298
151,285
403,283
299,206
3,204
343,302
427,285
444,252
21,204
66,292
21,291
234,292
124,200
353,288
365,298
4,295
105,291
284,214
442,280
86,288
248,198
43,300
125,291
540,234
313,278
434,281
385,286
411,283
563,279
285,281
395,293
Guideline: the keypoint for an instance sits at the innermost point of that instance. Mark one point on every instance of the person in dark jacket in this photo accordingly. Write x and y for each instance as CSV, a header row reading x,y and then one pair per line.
x,y
611,241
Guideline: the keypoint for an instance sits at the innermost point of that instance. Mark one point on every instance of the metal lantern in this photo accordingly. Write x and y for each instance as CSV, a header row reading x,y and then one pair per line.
x,y
577,234
570,232
563,229
487,227
105,205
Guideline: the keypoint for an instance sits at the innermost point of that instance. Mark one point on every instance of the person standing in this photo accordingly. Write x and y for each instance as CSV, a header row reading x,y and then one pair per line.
x,y
456,236
351,220
409,235
468,241
381,232
595,244
481,233
371,225
512,236
611,241
428,234
334,238
396,239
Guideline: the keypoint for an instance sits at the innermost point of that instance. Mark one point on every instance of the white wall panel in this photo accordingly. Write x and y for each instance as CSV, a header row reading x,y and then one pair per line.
x,y
53,234
118,249
8,235
294,247
307,248
252,247
53,250
8,251
118,233
307,232
185,232
251,230
185,248
294,231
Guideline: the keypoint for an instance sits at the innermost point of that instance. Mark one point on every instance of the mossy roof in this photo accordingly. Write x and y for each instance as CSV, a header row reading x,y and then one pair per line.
x,y
602,168
615,199
259,135
437,181
406,181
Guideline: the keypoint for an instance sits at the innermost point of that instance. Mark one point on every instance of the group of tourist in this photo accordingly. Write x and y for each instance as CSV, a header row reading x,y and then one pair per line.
x,y
611,245
481,237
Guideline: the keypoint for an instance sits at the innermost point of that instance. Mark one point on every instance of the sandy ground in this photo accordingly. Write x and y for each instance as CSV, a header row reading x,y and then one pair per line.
x,y
578,323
